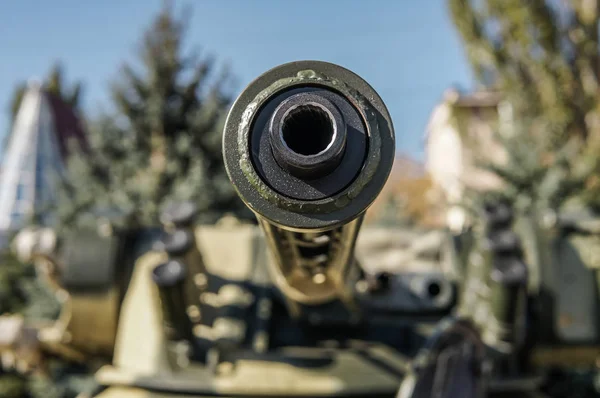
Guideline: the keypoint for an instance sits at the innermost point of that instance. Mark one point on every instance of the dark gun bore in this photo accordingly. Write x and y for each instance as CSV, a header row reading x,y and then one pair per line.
x,y
308,136
308,129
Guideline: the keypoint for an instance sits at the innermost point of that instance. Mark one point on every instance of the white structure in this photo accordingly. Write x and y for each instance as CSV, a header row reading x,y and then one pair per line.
x,y
460,130
444,153
34,158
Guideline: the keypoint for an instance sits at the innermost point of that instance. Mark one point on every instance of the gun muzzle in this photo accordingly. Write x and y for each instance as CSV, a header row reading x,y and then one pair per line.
x,y
308,146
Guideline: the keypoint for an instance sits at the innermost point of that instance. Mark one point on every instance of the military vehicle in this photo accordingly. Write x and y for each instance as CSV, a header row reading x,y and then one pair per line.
x,y
292,307
283,309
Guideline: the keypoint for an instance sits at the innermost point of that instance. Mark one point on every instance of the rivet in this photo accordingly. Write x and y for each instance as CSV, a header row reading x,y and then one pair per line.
x,y
193,312
319,279
200,280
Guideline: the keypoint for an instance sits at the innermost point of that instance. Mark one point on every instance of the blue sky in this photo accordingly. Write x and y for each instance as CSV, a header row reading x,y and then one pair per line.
x,y
406,49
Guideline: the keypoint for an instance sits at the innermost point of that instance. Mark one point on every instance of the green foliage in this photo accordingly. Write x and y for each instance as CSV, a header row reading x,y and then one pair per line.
x,y
41,304
544,57
163,142
12,386
12,272
534,177
62,380
21,291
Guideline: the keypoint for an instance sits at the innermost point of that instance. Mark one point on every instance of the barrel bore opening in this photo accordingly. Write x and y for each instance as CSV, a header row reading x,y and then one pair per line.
x,y
434,289
308,130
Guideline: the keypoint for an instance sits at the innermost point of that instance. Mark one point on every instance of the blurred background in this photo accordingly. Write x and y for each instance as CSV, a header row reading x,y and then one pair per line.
x,y
112,109
115,65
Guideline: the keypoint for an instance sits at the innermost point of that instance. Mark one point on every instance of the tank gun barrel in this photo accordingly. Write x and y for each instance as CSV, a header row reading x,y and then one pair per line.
x,y
308,146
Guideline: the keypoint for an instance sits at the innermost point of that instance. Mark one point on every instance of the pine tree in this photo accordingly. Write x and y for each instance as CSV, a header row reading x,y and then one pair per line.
x,y
533,177
163,142
544,58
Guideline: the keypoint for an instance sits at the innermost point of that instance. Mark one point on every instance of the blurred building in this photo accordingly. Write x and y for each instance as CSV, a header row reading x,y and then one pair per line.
x,y
34,158
462,131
